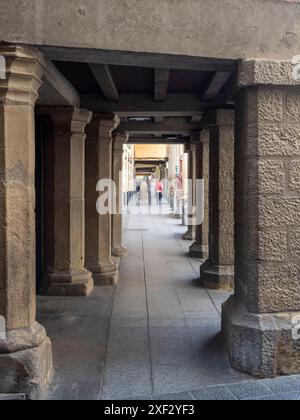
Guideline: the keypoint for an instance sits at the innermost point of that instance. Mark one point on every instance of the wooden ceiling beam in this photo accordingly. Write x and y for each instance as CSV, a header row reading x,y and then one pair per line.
x,y
106,81
170,126
141,105
56,89
136,59
161,84
153,140
215,85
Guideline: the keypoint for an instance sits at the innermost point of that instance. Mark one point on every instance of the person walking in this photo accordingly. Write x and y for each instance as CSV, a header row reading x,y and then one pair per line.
x,y
159,188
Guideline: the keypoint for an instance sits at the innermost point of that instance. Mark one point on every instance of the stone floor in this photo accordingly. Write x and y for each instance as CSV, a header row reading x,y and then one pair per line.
x,y
156,336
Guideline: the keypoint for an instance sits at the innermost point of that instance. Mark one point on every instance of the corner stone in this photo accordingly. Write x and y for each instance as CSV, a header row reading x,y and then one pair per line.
x,y
26,362
260,345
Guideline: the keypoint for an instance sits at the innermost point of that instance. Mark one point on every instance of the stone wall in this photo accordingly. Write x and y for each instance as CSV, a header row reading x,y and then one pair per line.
x,y
272,242
240,28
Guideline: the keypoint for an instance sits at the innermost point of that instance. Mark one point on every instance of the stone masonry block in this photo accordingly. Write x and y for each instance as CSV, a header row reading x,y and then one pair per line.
x,y
266,177
294,176
264,72
279,212
273,246
293,105
264,139
280,140
279,288
294,244
270,103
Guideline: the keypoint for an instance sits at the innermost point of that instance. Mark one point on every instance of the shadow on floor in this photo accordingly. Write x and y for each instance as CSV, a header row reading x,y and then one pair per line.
x,y
157,332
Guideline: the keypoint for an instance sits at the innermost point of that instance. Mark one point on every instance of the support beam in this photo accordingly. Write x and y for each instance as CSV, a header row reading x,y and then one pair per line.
x,y
142,105
137,59
150,162
106,82
196,119
158,120
161,84
56,89
153,140
215,85
170,126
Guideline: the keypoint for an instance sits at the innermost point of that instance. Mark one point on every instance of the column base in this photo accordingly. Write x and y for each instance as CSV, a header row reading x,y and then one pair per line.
x,y
189,236
261,345
199,252
116,261
68,284
216,277
26,364
105,275
120,252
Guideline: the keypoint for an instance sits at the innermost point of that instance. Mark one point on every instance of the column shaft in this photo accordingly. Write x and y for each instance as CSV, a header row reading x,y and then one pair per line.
x,y
99,226
261,322
190,235
25,354
118,250
218,271
199,249
64,213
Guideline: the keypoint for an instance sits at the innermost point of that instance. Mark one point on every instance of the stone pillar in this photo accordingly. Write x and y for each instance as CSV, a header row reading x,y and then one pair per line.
x,y
199,249
218,271
25,353
98,227
64,203
190,235
261,321
118,250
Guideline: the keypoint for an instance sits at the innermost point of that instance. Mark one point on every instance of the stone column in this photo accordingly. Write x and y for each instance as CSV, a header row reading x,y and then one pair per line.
x,y
261,321
190,235
25,353
218,271
98,227
64,203
199,249
118,250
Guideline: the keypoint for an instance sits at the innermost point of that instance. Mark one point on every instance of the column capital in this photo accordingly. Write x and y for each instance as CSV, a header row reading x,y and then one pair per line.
x,y
219,117
119,140
68,119
102,125
189,147
21,76
267,72
200,137
205,136
196,137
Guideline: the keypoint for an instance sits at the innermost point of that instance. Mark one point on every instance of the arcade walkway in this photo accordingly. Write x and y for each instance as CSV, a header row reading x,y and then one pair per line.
x,y
157,334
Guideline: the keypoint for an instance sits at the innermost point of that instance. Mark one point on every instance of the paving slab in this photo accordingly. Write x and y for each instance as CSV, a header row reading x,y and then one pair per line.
x,y
250,390
155,336
219,393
